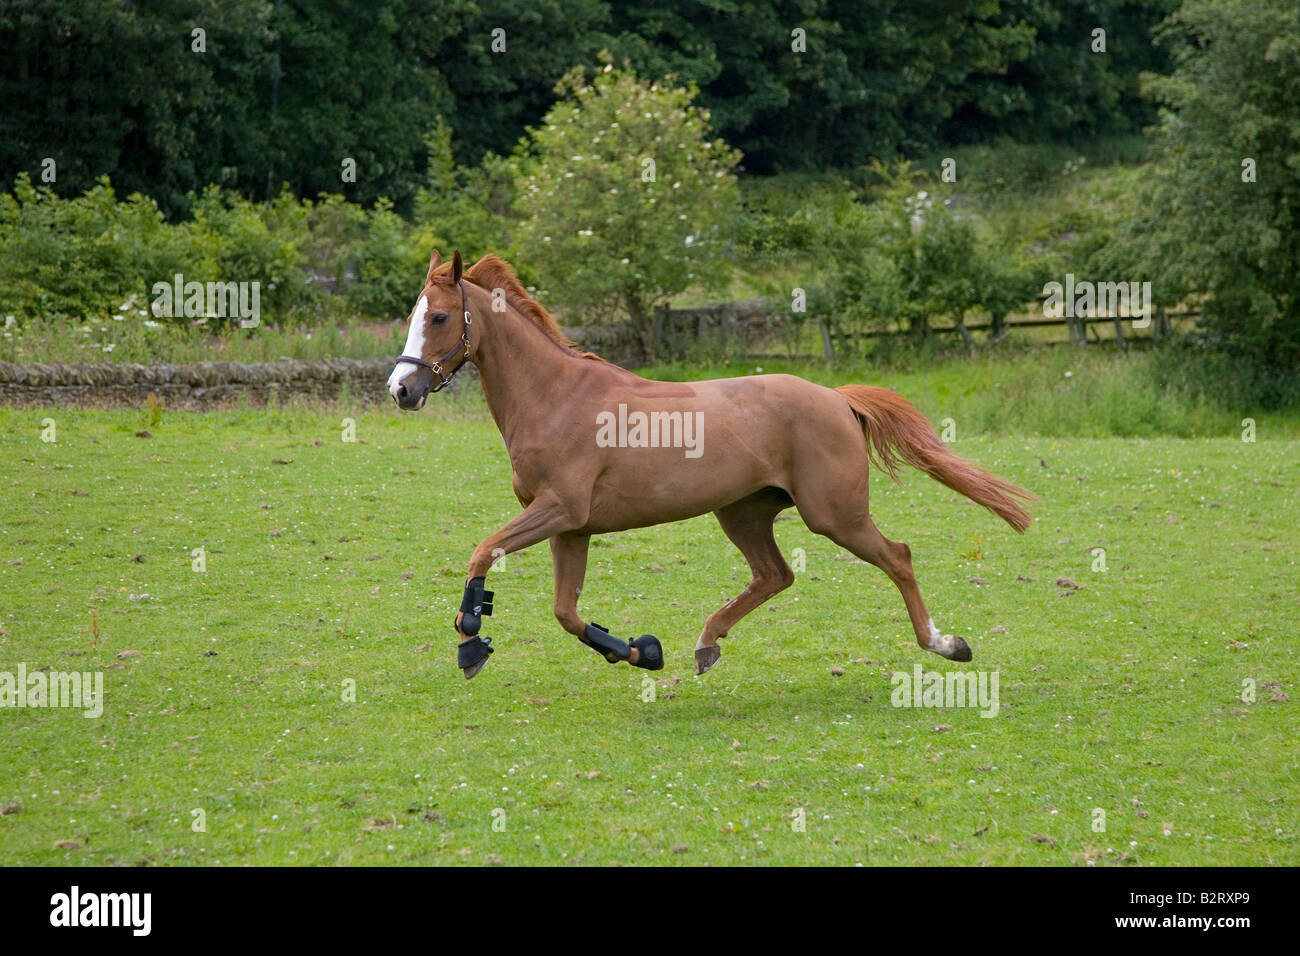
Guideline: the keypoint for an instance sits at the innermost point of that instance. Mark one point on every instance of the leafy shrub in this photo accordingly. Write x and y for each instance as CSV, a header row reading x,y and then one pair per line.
x,y
95,255
465,208
83,256
898,255
624,196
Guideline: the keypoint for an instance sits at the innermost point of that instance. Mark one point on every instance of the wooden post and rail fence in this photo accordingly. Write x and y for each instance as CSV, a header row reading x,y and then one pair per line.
x,y
734,329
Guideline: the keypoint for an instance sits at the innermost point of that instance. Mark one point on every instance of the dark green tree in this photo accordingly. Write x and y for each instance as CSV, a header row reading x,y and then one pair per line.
x,y
102,87
1221,222
502,64
1069,82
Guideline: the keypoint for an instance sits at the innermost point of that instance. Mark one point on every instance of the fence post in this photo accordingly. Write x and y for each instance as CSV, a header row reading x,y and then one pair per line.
x,y
828,347
658,333
1078,330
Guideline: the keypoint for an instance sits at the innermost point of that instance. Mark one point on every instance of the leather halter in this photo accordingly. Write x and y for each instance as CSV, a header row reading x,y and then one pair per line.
x,y
437,367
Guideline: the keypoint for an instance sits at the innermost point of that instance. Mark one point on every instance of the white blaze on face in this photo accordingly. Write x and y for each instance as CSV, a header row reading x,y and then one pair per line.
x,y
414,346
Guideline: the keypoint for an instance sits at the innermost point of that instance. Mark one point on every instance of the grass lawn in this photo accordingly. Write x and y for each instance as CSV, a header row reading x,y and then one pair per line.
x,y
332,565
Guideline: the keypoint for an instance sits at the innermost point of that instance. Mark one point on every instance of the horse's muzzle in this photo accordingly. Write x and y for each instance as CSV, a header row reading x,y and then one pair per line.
x,y
412,392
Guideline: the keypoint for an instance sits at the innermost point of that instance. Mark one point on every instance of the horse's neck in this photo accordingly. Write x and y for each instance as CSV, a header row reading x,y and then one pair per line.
x,y
523,372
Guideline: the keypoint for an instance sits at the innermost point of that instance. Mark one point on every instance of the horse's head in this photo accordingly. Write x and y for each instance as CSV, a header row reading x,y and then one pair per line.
x,y
437,342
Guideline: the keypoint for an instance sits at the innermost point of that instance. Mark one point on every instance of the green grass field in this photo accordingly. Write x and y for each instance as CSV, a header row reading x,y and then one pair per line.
x,y
332,565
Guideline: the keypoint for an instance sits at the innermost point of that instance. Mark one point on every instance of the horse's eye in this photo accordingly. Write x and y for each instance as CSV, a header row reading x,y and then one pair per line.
x,y
438,318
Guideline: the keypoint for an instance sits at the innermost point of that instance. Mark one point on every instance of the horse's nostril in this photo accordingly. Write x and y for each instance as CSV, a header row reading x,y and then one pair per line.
x,y
401,391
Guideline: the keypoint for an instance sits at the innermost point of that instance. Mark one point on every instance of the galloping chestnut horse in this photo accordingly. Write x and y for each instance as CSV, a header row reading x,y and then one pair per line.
x,y
597,449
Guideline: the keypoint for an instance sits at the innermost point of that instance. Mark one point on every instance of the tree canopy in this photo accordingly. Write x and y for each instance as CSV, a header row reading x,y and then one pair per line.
x,y
286,92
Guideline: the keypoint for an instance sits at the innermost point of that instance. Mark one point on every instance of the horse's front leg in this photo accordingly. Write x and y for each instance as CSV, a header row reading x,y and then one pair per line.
x,y
544,517
569,560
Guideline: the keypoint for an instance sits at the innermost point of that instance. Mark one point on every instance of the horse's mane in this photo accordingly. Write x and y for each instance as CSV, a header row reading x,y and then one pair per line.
x,y
491,272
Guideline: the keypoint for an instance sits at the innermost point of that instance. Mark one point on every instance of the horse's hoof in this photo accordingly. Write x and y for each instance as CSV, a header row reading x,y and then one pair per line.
x,y
706,657
650,654
472,655
960,649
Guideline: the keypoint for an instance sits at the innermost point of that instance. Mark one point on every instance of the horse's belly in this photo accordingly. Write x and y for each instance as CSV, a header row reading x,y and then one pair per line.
x,y
637,495
671,458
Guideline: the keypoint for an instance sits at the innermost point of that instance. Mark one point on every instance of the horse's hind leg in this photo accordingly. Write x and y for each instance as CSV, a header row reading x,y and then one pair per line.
x,y
748,523
864,539
569,562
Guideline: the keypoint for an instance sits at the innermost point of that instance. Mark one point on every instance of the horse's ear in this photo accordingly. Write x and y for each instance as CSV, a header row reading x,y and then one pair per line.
x,y
457,266
434,261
